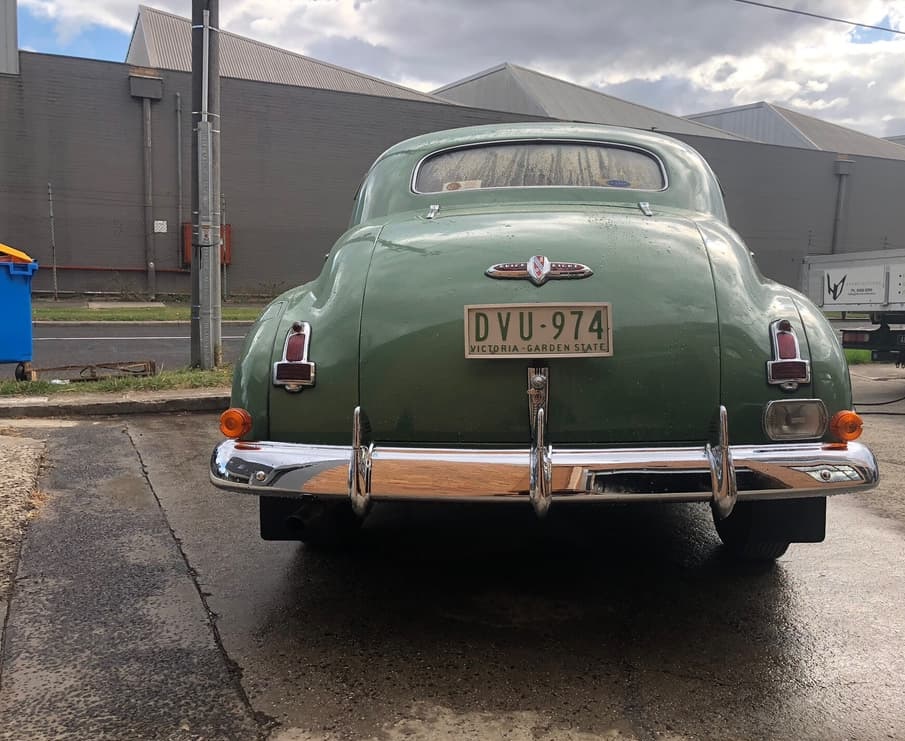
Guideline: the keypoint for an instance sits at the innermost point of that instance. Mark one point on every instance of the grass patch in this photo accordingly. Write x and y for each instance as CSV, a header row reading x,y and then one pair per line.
x,y
153,314
857,357
187,378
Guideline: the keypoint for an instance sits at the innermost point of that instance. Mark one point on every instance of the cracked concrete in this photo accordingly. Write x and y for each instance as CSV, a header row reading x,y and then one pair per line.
x,y
106,637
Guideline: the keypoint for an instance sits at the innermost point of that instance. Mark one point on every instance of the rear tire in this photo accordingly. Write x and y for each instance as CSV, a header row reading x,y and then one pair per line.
x,y
311,521
741,536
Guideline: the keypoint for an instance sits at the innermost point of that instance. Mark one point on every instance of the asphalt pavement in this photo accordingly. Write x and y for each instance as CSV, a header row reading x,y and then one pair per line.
x,y
146,606
166,343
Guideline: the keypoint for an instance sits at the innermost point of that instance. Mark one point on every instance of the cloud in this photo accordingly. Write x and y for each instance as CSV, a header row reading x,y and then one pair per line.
x,y
684,56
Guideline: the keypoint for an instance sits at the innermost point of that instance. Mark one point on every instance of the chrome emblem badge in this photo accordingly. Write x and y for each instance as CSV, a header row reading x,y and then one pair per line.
x,y
539,270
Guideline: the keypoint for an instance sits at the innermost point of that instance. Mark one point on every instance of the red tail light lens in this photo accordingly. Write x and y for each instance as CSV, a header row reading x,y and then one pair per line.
x,y
295,348
786,346
791,370
856,338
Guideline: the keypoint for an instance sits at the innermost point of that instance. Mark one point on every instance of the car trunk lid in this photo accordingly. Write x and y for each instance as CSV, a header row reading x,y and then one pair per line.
x,y
661,383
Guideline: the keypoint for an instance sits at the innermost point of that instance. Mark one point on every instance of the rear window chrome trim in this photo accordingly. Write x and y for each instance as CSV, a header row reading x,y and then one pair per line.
x,y
536,140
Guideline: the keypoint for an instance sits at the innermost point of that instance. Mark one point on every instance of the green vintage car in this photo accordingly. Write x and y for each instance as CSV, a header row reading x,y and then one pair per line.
x,y
543,314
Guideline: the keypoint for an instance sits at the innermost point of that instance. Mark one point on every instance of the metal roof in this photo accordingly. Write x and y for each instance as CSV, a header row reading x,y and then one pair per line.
x,y
516,89
773,124
164,41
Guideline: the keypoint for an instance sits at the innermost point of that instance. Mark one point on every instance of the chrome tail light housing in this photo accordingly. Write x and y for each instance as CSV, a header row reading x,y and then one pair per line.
x,y
787,369
294,371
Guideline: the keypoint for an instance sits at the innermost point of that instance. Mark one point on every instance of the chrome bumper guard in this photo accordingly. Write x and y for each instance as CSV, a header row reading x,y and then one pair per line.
x,y
719,473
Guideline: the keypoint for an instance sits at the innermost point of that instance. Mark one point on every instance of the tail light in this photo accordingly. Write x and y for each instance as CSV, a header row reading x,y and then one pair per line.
x,y
846,426
235,423
294,371
855,338
787,369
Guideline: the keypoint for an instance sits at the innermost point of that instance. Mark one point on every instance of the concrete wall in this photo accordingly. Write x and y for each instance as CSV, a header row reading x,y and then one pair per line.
x,y
292,160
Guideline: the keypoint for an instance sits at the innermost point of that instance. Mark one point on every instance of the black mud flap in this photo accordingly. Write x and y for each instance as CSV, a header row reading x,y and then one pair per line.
x,y
787,520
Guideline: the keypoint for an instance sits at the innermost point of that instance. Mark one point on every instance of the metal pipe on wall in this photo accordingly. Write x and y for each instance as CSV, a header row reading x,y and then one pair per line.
x,y
843,169
178,230
149,198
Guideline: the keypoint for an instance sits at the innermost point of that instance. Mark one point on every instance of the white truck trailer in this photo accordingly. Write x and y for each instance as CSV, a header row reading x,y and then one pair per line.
x,y
872,283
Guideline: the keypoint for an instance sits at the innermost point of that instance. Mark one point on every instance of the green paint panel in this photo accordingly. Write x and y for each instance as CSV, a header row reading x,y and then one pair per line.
x,y
662,383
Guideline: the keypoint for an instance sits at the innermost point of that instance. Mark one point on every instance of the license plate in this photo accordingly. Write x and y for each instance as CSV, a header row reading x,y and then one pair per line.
x,y
559,330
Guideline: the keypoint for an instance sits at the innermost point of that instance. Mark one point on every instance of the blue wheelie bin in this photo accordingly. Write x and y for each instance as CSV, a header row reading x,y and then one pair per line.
x,y
16,271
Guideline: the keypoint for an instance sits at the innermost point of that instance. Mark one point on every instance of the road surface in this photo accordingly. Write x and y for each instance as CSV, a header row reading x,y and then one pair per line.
x,y
166,343
146,606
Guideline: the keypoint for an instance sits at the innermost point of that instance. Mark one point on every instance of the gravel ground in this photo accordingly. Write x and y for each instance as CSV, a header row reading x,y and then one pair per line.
x,y
20,458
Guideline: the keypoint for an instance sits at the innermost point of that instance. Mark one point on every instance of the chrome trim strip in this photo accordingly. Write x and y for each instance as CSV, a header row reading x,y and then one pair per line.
x,y
542,140
554,270
771,471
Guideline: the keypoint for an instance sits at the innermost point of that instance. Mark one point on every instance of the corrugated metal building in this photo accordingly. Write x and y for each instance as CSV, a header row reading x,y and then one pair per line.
x,y
298,135
774,124
515,89
162,40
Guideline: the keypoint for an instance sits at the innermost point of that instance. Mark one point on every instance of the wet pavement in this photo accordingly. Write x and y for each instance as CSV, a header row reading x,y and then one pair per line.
x,y
146,606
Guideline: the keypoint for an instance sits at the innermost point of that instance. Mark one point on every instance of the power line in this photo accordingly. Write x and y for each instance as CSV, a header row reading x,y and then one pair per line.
x,y
821,17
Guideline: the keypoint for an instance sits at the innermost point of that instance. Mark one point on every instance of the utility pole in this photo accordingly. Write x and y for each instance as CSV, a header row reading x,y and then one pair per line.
x,y
206,342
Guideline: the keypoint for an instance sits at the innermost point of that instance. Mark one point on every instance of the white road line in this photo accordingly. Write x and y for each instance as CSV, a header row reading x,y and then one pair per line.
x,y
95,339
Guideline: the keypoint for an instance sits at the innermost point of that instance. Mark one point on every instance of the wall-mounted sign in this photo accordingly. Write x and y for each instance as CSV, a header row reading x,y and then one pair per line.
x,y
842,287
160,226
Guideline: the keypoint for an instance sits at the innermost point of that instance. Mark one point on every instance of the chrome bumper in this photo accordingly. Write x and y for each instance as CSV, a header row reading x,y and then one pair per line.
x,y
720,474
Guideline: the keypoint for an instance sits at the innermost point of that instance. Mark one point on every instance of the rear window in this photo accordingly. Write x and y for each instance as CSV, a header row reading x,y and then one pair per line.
x,y
539,164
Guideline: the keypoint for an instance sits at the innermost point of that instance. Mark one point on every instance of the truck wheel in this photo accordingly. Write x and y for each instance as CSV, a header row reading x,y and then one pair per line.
x,y
311,521
743,538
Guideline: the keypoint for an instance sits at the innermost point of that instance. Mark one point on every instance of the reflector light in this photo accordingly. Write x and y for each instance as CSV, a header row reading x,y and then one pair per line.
x,y
235,423
789,370
856,337
294,372
295,348
846,426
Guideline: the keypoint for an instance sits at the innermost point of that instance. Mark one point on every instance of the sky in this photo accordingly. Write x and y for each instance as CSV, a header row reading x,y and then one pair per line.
x,y
680,56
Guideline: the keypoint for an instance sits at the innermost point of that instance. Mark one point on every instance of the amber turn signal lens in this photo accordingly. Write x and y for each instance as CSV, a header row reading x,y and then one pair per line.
x,y
235,423
846,426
